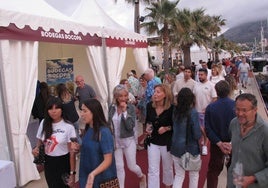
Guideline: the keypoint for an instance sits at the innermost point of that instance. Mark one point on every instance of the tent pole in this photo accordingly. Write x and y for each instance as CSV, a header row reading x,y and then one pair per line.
x,y
106,69
8,127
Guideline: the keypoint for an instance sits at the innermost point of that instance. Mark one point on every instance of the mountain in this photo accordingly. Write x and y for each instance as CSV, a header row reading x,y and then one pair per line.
x,y
247,32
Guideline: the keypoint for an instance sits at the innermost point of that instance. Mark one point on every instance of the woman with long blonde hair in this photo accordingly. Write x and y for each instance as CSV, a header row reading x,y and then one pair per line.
x,y
159,114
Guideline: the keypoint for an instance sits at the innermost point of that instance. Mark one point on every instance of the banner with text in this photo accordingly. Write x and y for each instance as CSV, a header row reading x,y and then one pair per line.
x,y
60,71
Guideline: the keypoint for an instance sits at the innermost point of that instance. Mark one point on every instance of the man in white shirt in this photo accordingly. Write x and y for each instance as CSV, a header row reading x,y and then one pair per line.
x,y
205,93
205,66
186,81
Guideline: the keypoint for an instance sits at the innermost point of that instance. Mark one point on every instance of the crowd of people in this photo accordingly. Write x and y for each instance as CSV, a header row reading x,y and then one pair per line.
x,y
201,112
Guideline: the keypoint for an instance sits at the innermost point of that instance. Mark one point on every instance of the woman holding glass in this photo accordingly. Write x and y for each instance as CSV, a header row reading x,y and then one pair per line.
x,y
122,117
56,133
185,121
159,113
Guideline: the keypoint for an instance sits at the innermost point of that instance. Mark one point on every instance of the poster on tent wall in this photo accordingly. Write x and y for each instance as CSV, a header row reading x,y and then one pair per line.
x,y
60,71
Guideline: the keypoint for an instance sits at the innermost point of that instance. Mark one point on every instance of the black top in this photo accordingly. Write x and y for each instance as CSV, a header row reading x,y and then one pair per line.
x,y
69,111
164,119
38,110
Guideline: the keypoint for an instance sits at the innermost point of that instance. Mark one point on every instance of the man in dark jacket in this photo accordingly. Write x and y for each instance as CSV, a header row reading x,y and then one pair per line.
x,y
218,116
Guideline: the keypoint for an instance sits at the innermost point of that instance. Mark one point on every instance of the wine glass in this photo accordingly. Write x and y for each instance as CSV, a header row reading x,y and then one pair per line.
x,y
238,175
227,157
149,128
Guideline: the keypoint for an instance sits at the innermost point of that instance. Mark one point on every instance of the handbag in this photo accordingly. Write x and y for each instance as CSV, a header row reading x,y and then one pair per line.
x,y
40,159
188,161
147,141
111,183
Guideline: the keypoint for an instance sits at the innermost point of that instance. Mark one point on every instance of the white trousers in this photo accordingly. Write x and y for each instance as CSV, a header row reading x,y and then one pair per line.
x,y
180,174
130,155
155,154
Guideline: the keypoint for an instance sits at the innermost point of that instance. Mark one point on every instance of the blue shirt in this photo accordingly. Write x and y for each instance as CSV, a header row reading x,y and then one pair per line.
x,y
218,116
150,89
92,156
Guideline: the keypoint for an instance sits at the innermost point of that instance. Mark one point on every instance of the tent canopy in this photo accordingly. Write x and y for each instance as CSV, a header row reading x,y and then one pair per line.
x,y
44,23
111,29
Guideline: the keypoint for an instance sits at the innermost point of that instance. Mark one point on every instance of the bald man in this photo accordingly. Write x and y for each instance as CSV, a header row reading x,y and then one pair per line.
x,y
83,91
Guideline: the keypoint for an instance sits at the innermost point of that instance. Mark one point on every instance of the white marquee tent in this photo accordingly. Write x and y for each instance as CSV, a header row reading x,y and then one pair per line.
x,y
111,31
27,25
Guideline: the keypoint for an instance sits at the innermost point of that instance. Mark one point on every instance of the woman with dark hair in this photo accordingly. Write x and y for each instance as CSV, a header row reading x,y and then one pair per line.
x,y
97,162
68,107
185,117
40,101
56,133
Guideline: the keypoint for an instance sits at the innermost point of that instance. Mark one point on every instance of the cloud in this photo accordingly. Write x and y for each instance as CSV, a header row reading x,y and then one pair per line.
x,y
234,11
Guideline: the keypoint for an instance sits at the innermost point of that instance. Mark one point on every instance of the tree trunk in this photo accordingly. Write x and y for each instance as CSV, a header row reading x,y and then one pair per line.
x,y
186,55
217,56
166,49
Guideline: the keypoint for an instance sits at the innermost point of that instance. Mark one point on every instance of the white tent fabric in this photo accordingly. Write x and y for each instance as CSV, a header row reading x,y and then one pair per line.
x,y
115,69
141,57
117,56
18,72
101,19
38,13
96,63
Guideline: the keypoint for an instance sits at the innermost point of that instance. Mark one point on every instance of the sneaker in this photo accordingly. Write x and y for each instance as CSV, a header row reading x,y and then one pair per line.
x,y
204,150
143,183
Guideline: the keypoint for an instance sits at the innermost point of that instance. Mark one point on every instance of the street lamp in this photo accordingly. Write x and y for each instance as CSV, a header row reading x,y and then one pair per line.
x,y
137,16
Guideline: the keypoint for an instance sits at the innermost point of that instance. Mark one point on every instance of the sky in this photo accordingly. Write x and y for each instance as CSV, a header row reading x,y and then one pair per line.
x,y
234,12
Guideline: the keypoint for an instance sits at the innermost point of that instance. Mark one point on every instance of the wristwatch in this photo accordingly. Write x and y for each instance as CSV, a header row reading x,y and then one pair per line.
x,y
72,172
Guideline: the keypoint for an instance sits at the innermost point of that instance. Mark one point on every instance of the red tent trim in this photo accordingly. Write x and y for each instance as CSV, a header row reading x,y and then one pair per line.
x,y
26,33
125,43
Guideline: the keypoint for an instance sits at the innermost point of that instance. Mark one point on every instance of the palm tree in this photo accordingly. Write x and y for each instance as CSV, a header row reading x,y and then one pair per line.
x,y
190,28
215,28
158,21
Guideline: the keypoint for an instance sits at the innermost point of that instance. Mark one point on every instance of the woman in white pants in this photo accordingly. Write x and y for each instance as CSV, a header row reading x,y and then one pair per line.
x,y
186,134
159,114
122,117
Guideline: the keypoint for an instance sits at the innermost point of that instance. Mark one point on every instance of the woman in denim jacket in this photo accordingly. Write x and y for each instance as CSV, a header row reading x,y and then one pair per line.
x,y
185,115
122,117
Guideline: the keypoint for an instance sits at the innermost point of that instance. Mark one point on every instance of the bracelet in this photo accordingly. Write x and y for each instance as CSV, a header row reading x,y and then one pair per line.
x,y
72,172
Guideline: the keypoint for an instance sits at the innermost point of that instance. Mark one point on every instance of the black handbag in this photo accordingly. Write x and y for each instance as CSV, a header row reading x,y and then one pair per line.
x,y
40,159
147,141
